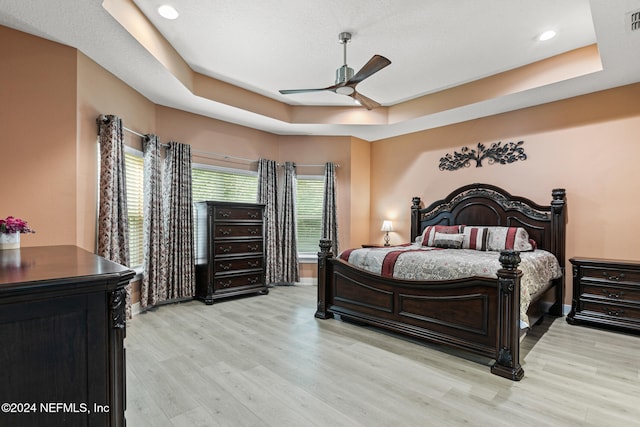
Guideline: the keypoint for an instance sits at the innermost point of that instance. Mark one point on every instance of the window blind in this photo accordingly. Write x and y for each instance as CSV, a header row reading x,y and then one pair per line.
x,y
134,168
310,191
223,185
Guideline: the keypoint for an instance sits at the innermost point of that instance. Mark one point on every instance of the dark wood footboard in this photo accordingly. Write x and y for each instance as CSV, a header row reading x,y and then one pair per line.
x,y
459,313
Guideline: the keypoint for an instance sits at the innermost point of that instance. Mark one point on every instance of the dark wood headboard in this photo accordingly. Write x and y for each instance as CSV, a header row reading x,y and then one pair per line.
x,y
484,204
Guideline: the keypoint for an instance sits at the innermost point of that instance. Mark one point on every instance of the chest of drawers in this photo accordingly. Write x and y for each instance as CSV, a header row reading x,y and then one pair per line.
x,y
606,293
230,250
62,328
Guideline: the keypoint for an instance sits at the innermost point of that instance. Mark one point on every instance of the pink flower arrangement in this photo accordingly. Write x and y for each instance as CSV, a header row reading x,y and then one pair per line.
x,y
14,225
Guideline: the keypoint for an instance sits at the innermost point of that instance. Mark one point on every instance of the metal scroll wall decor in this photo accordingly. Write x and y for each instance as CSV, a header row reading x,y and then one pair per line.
x,y
495,153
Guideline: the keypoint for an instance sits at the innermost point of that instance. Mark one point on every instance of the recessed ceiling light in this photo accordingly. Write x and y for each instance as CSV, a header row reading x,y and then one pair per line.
x,y
168,12
547,35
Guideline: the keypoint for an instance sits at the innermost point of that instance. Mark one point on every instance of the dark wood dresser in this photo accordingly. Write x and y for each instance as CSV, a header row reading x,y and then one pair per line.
x,y
606,293
62,329
230,250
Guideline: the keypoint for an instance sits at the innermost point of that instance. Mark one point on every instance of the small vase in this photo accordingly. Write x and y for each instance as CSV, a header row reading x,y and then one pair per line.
x,y
9,241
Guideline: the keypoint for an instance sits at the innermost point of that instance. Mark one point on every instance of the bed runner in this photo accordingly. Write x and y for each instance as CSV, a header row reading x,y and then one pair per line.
x,y
389,262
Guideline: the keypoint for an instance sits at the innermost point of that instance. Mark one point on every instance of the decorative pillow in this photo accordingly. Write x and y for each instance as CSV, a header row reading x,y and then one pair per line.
x,y
475,238
429,233
501,238
448,241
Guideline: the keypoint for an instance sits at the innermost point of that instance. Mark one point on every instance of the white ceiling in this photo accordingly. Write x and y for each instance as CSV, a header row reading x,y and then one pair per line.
x,y
267,45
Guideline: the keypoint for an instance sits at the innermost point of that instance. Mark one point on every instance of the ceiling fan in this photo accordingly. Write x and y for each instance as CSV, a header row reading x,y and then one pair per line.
x,y
346,81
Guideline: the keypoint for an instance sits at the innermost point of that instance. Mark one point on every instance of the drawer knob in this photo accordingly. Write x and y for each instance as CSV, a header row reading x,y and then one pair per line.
x,y
226,284
613,276
225,249
253,248
253,264
253,231
253,214
225,232
224,266
614,294
225,214
252,280
615,313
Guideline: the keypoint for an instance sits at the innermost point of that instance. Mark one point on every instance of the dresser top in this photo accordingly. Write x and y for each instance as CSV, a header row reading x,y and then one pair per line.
x,y
231,204
48,266
604,262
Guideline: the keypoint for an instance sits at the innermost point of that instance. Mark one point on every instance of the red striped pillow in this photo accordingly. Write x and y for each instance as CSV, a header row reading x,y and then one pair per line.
x,y
429,233
501,238
475,238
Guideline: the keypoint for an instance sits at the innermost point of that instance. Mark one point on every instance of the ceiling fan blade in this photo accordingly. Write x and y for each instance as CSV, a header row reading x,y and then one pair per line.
x,y
375,64
290,91
368,103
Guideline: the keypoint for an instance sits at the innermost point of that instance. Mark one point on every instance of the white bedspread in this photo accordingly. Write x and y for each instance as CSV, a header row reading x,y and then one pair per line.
x,y
417,262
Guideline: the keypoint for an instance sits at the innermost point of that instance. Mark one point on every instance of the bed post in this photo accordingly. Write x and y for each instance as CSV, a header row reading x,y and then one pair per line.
x,y
558,223
324,276
507,362
415,218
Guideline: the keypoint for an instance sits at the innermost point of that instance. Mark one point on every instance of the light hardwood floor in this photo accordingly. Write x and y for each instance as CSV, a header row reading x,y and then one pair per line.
x,y
266,361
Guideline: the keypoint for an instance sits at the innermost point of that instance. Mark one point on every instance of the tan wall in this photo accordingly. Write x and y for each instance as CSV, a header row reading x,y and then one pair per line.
x,y
100,92
206,135
588,145
210,136
51,95
38,143
317,150
360,185
57,92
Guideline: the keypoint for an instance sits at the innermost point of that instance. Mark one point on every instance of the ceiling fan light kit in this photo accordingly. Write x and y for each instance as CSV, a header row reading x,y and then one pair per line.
x,y
345,90
346,80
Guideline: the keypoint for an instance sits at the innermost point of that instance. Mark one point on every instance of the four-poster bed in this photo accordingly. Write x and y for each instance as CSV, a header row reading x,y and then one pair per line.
x,y
477,314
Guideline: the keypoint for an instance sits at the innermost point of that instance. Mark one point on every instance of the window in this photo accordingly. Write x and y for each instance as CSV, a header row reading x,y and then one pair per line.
x,y
222,184
134,166
309,200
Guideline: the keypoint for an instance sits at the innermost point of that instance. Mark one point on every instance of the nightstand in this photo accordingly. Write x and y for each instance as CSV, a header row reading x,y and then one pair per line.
x,y
606,293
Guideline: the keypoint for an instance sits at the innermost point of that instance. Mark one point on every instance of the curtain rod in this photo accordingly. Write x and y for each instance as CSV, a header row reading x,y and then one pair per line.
x,y
224,156
103,118
302,165
133,132
227,157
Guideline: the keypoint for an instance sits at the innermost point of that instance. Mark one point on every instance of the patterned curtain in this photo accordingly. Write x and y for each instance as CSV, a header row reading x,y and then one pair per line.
x,y
113,225
154,275
178,222
329,211
268,195
288,246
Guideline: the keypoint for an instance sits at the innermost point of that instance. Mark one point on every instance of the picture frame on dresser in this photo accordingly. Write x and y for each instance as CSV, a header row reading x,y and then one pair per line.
x,y
606,293
230,250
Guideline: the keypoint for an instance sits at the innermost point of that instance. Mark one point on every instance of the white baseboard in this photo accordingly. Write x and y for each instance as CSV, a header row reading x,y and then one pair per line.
x,y
135,309
307,281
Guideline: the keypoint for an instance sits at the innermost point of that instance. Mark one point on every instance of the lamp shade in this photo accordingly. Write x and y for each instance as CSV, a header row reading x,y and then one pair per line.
x,y
387,226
